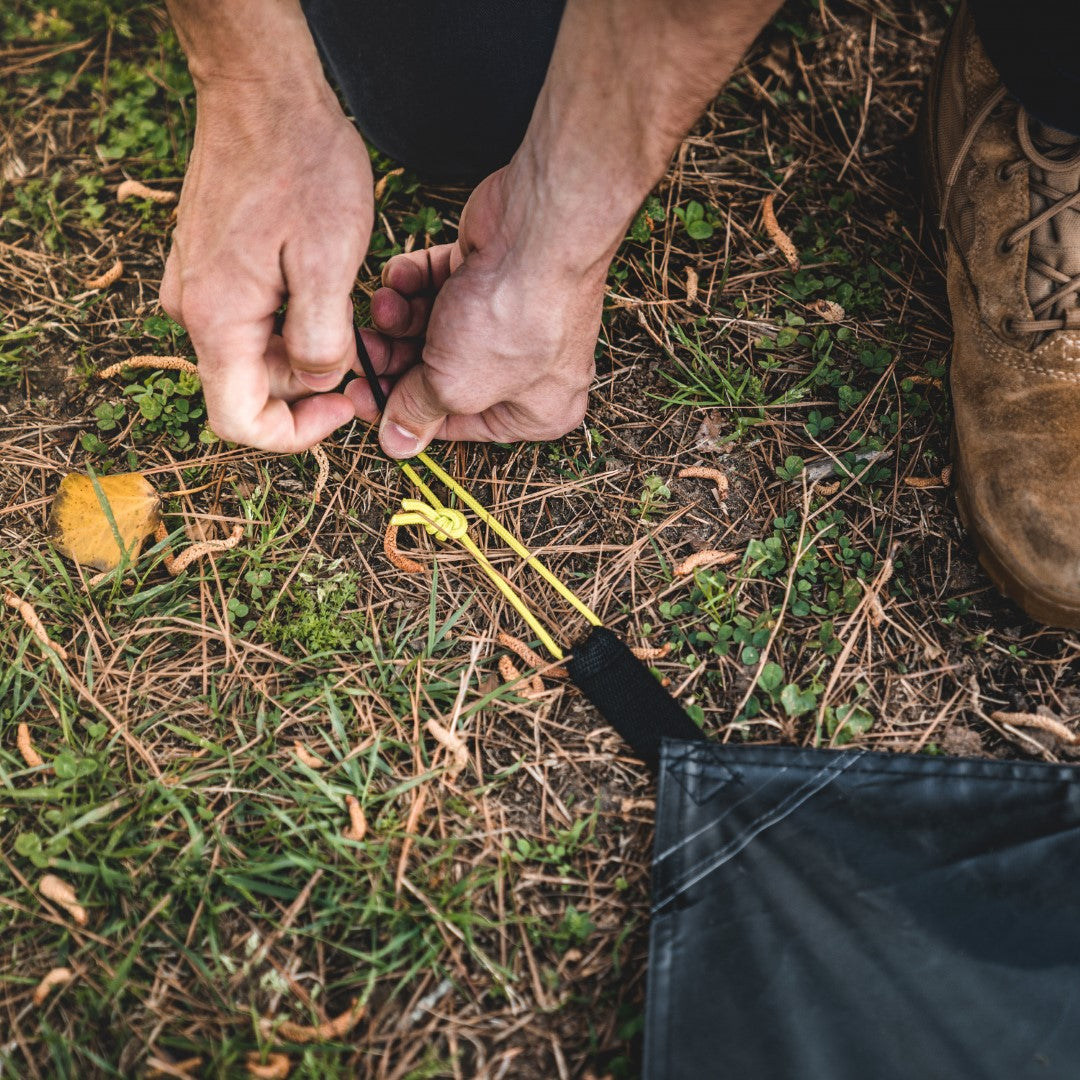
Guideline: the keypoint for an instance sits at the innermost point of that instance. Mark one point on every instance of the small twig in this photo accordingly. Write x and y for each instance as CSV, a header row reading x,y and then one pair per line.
x,y
453,743
777,235
705,558
168,363
357,829
133,189
22,740
62,894
57,977
30,617
319,454
177,564
400,560
705,472
109,277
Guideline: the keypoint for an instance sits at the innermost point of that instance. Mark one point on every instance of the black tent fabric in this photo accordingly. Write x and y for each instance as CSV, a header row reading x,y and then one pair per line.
x,y
847,915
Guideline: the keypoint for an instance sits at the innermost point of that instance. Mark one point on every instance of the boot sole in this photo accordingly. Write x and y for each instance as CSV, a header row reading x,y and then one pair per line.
x,y
1043,608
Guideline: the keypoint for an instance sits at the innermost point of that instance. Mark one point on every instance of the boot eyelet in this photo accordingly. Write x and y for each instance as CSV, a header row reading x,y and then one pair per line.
x,y
1007,330
1003,173
1004,247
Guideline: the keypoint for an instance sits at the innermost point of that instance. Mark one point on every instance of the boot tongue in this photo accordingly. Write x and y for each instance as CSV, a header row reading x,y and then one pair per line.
x,y
1056,242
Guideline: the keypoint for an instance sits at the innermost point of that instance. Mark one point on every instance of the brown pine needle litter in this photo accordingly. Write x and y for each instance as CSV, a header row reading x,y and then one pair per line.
x,y
177,564
109,277
1042,723
452,742
306,757
26,748
133,189
166,363
705,558
705,472
777,235
63,895
57,977
397,557
530,656
337,1028
357,829
276,1066
30,617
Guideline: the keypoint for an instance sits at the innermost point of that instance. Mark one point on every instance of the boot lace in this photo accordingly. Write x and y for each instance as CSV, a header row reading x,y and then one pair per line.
x,y
1048,162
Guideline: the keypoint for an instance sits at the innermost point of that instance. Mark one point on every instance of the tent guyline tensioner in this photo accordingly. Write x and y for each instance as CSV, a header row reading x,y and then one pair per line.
x,y
620,686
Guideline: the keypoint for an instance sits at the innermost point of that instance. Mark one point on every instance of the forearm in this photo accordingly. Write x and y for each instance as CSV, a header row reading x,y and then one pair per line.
x,y
627,79
238,43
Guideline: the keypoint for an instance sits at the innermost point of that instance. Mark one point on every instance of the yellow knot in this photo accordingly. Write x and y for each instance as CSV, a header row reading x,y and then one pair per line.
x,y
441,522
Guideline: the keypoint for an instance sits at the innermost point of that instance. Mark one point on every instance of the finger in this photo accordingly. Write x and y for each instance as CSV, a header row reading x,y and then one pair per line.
x,y
318,320
236,386
424,271
398,315
413,414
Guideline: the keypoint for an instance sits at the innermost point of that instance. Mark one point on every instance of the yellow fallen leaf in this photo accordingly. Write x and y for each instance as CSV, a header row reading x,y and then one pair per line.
x,y
80,527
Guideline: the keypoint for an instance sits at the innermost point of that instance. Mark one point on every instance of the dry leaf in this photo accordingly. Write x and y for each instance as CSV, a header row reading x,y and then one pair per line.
x,y
80,528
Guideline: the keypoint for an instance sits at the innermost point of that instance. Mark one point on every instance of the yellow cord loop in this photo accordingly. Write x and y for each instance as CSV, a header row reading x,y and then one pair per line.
x,y
445,523
440,522
497,527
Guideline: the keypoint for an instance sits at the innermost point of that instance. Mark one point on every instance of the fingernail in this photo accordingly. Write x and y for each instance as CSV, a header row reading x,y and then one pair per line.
x,y
319,382
398,442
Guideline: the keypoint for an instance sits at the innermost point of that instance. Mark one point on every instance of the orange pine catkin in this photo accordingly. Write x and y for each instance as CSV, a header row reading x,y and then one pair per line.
x,y
777,235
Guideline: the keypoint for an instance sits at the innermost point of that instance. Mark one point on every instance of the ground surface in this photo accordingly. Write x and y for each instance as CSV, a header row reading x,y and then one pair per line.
x,y
493,921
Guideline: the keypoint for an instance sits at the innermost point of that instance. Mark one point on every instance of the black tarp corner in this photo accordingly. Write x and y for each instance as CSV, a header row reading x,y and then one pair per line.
x,y
847,915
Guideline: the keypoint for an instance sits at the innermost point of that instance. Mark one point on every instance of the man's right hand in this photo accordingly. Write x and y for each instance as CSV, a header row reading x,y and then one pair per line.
x,y
276,206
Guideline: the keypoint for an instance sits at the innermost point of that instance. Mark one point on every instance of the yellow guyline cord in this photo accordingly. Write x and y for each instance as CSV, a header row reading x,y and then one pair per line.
x,y
444,523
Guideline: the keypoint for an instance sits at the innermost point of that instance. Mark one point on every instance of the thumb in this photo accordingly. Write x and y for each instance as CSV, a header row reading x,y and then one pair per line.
x,y
318,336
414,413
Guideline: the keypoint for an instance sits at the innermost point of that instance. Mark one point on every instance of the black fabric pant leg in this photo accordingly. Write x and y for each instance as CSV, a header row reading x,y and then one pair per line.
x,y
446,87
1035,47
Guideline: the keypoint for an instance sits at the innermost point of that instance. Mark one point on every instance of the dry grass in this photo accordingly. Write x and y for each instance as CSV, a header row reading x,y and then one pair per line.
x,y
492,919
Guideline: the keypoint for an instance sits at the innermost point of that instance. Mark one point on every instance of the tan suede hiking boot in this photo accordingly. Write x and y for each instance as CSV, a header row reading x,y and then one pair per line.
x,y
1008,194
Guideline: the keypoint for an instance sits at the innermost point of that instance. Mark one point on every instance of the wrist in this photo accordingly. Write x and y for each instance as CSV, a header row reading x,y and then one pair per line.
x,y
262,44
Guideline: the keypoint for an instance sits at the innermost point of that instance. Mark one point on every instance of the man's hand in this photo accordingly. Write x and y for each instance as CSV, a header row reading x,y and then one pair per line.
x,y
508,339
509,315
276,206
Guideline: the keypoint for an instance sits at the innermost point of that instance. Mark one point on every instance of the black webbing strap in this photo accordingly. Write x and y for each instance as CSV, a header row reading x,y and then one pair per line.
x,y
628,695
369,369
